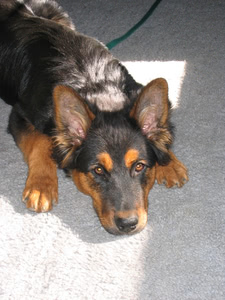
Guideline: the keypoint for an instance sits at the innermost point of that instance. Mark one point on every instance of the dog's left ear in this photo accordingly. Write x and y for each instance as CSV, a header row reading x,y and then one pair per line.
x,y
151,111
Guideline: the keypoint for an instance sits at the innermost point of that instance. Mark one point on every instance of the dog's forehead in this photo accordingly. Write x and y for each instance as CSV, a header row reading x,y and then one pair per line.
x,y
115,146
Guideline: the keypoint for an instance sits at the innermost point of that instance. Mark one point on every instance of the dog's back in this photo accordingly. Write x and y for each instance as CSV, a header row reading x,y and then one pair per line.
x,y
15,16
47,9
58,55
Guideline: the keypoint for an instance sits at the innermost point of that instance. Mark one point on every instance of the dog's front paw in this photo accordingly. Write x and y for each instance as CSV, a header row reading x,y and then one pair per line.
x,y
173,174
40,193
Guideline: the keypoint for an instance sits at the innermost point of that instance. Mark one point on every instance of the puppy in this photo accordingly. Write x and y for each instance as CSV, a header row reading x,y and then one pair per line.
x,y
76,107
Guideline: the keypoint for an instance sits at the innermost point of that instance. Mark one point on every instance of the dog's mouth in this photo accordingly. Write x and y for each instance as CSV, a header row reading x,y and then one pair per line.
x,y
124,222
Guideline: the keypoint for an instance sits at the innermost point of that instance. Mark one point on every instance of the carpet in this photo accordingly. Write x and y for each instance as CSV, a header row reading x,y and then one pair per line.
x,y
180,255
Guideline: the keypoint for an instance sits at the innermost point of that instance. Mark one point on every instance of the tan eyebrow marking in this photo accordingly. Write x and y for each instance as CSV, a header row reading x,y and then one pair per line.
x,y
130,157
105,160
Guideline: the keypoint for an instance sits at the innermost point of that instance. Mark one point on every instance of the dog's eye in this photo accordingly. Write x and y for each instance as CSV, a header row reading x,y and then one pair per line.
x,y
139,167
99,170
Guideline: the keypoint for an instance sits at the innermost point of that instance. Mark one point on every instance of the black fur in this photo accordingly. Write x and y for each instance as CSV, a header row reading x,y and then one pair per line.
x,y
40,50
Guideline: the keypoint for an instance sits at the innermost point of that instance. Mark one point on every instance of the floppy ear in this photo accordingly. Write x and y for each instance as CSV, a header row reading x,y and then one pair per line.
x,y
72,118
152,113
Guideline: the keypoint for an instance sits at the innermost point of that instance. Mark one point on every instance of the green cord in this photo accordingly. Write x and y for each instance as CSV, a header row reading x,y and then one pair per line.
x,y
113,43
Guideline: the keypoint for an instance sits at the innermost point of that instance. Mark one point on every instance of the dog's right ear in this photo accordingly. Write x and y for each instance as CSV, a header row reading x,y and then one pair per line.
x,y
72,117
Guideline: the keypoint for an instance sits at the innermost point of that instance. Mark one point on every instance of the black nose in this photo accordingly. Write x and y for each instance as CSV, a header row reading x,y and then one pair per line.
x,y
126,225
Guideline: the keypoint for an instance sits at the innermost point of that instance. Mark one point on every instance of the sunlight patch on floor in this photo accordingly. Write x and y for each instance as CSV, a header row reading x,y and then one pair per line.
x,y
172,71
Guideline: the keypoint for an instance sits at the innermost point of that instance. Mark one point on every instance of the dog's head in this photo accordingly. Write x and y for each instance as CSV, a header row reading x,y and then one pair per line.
x,y
112,155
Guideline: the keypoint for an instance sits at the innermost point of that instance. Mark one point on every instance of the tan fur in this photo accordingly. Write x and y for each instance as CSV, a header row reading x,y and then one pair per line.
x,y
175,173
130,157
41,189
105,160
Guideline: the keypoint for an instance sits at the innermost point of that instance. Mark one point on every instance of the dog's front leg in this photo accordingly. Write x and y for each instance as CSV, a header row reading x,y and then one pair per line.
x,y
173,174
41,190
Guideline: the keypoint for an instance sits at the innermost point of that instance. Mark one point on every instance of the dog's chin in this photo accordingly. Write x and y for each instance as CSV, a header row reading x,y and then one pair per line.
x,y
117,232
113,229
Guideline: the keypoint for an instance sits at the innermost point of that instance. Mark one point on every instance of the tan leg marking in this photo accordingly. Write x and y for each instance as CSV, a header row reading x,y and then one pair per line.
x,y
173,174
41,189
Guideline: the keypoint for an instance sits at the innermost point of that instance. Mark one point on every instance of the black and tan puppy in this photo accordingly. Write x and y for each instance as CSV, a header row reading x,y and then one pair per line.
x,y
75,106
